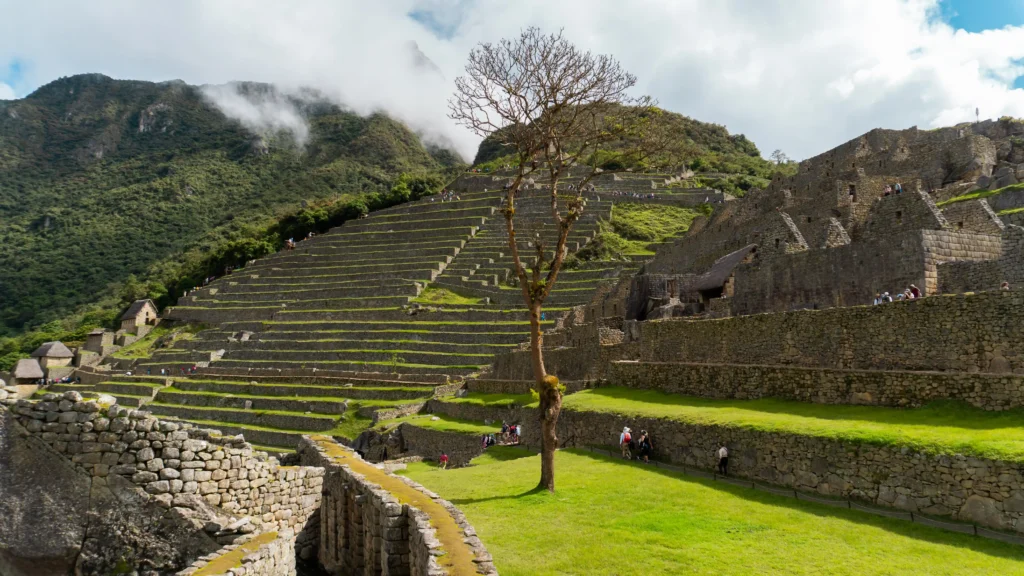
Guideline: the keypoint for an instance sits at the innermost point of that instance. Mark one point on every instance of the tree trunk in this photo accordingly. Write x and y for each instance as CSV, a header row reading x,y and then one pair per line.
x,y
550,403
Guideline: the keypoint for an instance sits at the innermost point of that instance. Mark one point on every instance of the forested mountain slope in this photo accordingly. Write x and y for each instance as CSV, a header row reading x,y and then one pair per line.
x,y
102,180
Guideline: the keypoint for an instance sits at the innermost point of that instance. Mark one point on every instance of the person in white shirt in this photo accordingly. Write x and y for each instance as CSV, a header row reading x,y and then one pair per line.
x,y
624,439
723,461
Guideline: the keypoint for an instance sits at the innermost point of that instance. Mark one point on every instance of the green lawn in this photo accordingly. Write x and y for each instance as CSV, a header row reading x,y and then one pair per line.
x,y
443,424
979,194
438,296
612,518
946,427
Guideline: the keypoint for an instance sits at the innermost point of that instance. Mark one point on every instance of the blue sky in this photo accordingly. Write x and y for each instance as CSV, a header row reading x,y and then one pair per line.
x,y
979,15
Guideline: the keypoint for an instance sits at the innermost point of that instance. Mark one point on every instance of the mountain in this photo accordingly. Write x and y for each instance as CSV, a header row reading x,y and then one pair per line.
x,y
728,162
103,180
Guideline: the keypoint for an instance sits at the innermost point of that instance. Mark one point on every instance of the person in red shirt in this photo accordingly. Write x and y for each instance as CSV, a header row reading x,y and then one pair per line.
x,y
444,461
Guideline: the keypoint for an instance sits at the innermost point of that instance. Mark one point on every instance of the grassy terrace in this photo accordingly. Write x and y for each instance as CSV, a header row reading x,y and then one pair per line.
x,y
613,518
335,397
350,426
940,427
443,424
979,194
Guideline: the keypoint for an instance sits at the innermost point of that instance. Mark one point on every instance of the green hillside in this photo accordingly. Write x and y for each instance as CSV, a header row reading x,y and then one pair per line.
x,y
728,162
120,189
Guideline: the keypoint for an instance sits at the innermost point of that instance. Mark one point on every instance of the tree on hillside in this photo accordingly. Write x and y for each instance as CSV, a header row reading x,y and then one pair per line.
x,y
563,113
779,157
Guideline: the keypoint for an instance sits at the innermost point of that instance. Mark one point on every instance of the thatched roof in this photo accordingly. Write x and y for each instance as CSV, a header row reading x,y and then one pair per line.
x,y
723,268
27,368
53,350
136,308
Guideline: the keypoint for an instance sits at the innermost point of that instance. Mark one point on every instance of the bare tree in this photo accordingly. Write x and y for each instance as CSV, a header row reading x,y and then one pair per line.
x,y
562,113
779,157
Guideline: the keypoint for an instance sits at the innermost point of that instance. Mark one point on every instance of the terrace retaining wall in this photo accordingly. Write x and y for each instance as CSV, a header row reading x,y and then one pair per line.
x,y
275,558
875,387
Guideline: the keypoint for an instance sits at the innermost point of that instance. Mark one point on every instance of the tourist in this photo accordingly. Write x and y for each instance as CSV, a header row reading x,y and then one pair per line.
x,y
504,432
645,446
519,432
444,461
888,190
1005,286
899,188
915,291
886,297
723,461
483,441
901,296
908,294
878,299
624,439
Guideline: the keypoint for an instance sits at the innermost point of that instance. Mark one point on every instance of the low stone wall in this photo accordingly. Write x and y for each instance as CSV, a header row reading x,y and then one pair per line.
x,y
460,447
364,529
173,461
274,558
378,414
981,490
485,386
582,364
826,386
965,333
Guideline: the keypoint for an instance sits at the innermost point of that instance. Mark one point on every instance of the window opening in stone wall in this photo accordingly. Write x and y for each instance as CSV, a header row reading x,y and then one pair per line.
x,y
853,193
899,217
809,219
959,225
776,243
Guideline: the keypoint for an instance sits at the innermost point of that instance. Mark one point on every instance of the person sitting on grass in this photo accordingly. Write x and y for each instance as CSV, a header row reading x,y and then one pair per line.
x,y
444,461
645,446
624,439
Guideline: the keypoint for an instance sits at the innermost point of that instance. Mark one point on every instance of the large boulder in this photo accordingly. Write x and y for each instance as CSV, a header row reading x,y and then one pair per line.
x,y
43,502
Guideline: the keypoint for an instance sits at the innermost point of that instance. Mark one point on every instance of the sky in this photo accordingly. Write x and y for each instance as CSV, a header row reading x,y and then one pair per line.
x,y
802,76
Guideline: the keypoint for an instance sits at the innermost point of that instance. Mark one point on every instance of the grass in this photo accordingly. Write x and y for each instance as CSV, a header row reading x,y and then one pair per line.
x,y
979,194
940,427
438,296
1009,211
443,424
495,400
612,518
633,228
145,347
233,559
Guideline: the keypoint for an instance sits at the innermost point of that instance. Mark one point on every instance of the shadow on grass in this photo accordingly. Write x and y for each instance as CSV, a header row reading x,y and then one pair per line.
x,y
896,526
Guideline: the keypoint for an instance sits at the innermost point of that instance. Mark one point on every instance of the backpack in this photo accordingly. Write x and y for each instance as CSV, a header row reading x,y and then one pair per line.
x,y
627,439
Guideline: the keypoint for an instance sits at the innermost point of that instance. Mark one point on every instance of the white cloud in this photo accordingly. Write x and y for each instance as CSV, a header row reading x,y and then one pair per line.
x,y
6,92
269,112
801,75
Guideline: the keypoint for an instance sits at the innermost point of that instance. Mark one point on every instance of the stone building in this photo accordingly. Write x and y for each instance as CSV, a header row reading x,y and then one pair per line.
x,y
140,313
53,355
837,232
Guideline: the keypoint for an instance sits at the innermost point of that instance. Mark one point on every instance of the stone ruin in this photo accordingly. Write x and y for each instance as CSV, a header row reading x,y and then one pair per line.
x,y
89,488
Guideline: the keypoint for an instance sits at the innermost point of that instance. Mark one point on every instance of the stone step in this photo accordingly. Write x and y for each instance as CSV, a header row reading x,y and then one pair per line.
x,y
453,370
269,294
290,391
286,420
384,356
253,402
302,343
321,377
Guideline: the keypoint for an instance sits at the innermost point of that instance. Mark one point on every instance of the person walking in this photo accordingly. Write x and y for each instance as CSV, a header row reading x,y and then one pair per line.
x,y
645,446
624,439
444,461
723,461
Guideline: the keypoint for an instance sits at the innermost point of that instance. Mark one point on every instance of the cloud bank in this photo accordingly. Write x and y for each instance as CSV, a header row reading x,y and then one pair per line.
x,y
800,75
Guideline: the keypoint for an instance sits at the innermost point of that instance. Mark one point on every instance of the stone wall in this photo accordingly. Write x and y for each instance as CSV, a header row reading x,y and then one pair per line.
x,y
365,529
827,386
989,274
174,461
973,216
981,490
485,386
273,558
461,448
964,333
